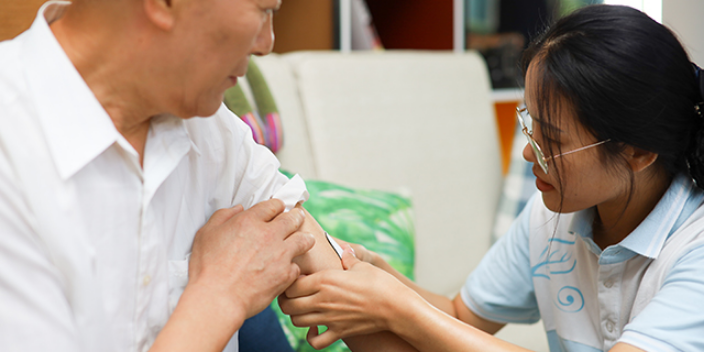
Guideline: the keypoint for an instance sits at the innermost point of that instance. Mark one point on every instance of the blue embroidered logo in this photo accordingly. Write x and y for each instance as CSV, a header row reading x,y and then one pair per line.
x,y
566,299
556,259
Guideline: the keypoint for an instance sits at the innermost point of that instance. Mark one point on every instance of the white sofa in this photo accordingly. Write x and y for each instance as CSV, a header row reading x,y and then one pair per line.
x,y
421,123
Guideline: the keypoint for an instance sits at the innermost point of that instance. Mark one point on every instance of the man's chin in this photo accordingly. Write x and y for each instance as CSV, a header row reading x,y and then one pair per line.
x,y
203,110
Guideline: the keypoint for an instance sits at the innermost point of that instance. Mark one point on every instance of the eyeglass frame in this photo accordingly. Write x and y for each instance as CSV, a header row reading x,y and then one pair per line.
x,y
539,155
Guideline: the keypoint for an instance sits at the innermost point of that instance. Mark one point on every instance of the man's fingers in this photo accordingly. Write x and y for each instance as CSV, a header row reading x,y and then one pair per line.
x,y
222,215
288,223
237,209
268,209
299,243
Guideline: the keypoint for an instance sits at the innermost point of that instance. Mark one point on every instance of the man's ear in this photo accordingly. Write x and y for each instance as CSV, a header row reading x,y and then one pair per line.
x,y
639,159
160,13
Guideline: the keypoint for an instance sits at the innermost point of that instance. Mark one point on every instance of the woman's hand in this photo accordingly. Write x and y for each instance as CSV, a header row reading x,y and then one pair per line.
x,y
361,252
359,300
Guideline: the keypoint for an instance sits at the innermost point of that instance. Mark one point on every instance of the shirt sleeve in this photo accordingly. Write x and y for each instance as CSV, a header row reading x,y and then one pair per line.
x,y
501,288
34,312
674,318
255,166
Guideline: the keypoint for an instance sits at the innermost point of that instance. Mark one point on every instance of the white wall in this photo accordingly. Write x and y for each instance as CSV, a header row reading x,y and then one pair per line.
x,y
686,18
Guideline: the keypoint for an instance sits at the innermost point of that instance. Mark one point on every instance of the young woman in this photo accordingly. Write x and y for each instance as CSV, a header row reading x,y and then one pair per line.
x,y
609,253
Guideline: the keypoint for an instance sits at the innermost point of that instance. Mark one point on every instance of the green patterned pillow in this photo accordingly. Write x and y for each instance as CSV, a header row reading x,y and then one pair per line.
x,y
381,221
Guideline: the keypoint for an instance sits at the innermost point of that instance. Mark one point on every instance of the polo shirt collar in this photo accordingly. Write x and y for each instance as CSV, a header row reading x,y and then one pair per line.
x,y
649,237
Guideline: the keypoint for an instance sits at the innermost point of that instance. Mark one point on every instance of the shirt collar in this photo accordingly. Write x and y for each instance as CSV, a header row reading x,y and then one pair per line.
x,y
649,237
76,126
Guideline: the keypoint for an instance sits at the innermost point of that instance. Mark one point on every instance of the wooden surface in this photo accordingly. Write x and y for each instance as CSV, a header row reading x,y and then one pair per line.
x,y
16,16
304,25
506,121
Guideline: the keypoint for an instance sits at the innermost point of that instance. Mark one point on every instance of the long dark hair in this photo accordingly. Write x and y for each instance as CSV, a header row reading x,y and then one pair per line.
x,y
627,79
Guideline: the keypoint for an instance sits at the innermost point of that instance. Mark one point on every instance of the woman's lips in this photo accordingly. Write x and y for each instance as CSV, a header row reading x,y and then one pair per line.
x,y
542,185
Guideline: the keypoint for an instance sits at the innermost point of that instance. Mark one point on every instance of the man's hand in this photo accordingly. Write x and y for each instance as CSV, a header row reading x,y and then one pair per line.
x,y
247,256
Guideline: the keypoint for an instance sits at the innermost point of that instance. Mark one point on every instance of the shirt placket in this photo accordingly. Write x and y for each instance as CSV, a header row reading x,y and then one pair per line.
x,y
147,271
161,158
609,292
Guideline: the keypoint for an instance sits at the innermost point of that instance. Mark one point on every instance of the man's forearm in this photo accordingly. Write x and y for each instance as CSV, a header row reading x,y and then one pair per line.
x,y
202,321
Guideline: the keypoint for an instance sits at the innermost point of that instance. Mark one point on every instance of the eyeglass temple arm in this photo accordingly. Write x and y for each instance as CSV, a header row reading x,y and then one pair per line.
x,y
580,149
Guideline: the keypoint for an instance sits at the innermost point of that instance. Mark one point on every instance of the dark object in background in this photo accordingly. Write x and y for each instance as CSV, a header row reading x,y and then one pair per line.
x,y
263,333
502,63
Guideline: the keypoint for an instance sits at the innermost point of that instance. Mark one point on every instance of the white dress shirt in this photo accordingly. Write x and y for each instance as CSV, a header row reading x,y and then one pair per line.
x,y
93,247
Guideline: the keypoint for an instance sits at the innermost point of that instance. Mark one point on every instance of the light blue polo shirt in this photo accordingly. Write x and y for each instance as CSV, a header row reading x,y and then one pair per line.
x,y
547,266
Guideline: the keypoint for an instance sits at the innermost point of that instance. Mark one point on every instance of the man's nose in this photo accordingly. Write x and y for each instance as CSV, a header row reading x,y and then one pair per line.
x,y
265,40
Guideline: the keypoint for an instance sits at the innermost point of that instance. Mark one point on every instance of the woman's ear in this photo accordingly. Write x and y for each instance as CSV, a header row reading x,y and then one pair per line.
x,y
160,13
639,159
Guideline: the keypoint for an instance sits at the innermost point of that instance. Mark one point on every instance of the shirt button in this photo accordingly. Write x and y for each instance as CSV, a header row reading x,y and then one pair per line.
x,y
146,280
609,283
610,326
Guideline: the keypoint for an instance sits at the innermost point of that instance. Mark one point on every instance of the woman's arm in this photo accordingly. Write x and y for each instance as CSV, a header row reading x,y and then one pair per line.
x,y
365,300
455,308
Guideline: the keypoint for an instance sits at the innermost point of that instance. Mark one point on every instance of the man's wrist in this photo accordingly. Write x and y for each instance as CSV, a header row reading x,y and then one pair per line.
x,y
204,320
223,308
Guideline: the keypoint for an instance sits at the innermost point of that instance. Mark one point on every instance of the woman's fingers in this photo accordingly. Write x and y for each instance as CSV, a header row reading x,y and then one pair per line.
x,y
305,286
298,306
319,341
348,257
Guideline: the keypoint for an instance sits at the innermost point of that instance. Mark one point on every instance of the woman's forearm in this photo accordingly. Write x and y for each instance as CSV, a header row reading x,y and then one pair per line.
x,y
441,302
428,329
380,341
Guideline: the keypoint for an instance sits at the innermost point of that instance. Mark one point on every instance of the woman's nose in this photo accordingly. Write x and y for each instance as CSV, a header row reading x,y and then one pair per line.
x,y
528,154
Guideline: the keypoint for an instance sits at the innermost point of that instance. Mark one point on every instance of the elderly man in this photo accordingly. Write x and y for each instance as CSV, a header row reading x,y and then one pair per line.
x,y
122,216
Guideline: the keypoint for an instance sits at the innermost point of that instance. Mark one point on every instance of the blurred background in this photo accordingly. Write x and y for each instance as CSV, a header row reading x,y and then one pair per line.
x,y
498,29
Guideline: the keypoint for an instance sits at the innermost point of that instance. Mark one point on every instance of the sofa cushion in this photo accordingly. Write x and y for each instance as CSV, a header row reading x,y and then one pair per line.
x,y
419,120
264,120
295,154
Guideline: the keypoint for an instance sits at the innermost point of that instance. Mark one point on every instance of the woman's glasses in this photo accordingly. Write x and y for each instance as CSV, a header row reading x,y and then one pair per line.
x,y
522,113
